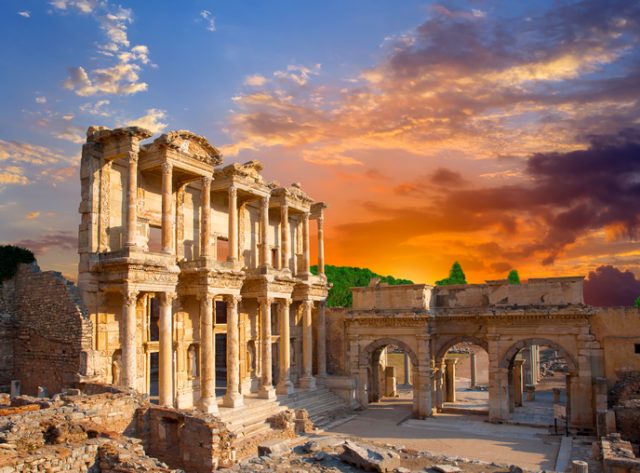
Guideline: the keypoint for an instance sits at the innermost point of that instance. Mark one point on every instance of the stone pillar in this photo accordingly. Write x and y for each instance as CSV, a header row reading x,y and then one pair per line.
x,y
285,386
527,355
450,379
406,369
233,224
205,217
517,383
307,381
207,357
167,215
579,466
266,387
285,252
264,231
321,243
305,244
322,339
129,340
233,398
536,367
132,201
474,374
165,371
105,206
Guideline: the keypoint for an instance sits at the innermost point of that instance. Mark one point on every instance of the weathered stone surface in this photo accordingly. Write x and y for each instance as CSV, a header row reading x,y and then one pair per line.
x,y
446,468
273,447
369,458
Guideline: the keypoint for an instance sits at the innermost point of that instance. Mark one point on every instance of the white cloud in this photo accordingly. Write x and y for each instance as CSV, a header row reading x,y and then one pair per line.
x,y
97,108
25,13
41,99
19,152
298,74
151,121
71,133
13,175
255,80
209,19
83,6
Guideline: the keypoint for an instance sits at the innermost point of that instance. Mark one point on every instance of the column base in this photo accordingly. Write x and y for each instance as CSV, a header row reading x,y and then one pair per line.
x,y
285,388
308,382
267,392
233,400
209,405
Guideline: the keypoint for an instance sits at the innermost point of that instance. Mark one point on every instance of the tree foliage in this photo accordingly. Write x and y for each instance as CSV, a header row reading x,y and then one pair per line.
x,y
513,277
345,277
456,276
10,257
637,302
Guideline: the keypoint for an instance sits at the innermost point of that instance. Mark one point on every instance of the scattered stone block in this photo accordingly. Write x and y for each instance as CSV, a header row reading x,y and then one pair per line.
x,y
446,468
273,447
370,458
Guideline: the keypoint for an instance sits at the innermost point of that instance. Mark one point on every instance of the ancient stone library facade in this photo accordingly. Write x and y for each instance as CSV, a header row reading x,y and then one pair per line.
x,y
196,274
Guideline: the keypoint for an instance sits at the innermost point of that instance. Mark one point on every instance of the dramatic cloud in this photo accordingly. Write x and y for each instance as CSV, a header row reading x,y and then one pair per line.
x,y
151,121
607,286
13,175
18,152
56,240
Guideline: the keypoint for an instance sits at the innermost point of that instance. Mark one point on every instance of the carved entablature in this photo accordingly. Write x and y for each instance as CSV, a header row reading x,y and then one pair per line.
x,y
316,292
293,197
189,144
117,143
394,321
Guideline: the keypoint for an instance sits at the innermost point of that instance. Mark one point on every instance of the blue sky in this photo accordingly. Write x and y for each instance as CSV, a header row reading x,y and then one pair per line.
x,y
412,119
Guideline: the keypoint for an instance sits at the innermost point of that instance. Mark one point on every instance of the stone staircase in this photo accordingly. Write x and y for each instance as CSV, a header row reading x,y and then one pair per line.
x,y
321,404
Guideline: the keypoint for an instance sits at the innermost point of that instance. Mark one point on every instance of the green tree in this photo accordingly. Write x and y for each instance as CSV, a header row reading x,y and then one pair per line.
x,y
456,276
637,302
10,257
343,278
513,277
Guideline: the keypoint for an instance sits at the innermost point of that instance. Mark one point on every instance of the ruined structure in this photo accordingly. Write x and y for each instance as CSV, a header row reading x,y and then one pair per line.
x,y
189,269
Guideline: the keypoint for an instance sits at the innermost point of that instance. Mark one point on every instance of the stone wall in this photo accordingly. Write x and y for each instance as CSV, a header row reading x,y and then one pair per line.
x,y
53,333
628,420
195,442
7,335
337,344
617,455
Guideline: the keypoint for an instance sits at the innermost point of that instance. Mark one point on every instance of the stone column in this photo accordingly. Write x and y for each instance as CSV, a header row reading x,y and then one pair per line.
x,y
207,357
132,201
321,244
233,398
451,379
205,217
129,340
285,386
167,216
264,231
165,371
322,339
233,224
266,389
285,252
406,369
305,244
307,381
527,355
473,366
105,206
517,383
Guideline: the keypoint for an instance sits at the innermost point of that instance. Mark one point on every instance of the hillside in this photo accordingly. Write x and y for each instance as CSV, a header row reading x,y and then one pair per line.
x,y
344,277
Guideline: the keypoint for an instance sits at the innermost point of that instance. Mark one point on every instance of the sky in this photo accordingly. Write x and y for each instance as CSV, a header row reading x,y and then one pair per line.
x,y
499,134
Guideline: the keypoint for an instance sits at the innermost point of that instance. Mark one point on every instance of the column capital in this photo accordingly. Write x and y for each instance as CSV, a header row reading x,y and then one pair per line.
x,y
286,301
130,296
233,298
132,157
233,191
265,300
168,297
305,216
264,202
308,303
167,167
206,180
205,297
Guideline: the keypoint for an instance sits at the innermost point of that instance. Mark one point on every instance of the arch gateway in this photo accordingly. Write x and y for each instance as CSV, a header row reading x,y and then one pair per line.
x,y
503,319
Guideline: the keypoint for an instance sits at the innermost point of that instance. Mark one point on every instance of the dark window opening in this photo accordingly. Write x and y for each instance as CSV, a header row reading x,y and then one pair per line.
x,y
154,319
221,312
154,364
155,239
637,347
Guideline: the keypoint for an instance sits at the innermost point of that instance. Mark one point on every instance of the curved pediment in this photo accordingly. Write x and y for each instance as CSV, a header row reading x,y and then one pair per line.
x,y
192,145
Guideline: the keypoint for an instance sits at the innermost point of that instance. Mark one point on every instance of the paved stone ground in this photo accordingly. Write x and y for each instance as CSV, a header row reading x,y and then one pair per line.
x,y
466,436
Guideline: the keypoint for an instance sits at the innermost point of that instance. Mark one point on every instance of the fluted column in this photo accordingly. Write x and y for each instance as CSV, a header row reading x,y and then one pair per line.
x,y
307,381
264,231
473,369
321,244
205,217
167,215
451,379
165,371
285,386
233,398
233,224
129,344
322,339
306,252
285,251
132,201
207,357
266,388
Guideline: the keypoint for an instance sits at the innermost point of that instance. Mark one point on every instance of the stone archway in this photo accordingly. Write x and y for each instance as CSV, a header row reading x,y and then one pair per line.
x,y
507,364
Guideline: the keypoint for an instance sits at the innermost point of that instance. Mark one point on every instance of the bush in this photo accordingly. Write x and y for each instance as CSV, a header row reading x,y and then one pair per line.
x,y
10,257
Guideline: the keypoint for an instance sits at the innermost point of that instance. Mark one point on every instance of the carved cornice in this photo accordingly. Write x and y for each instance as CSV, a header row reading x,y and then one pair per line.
x,y
203,151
